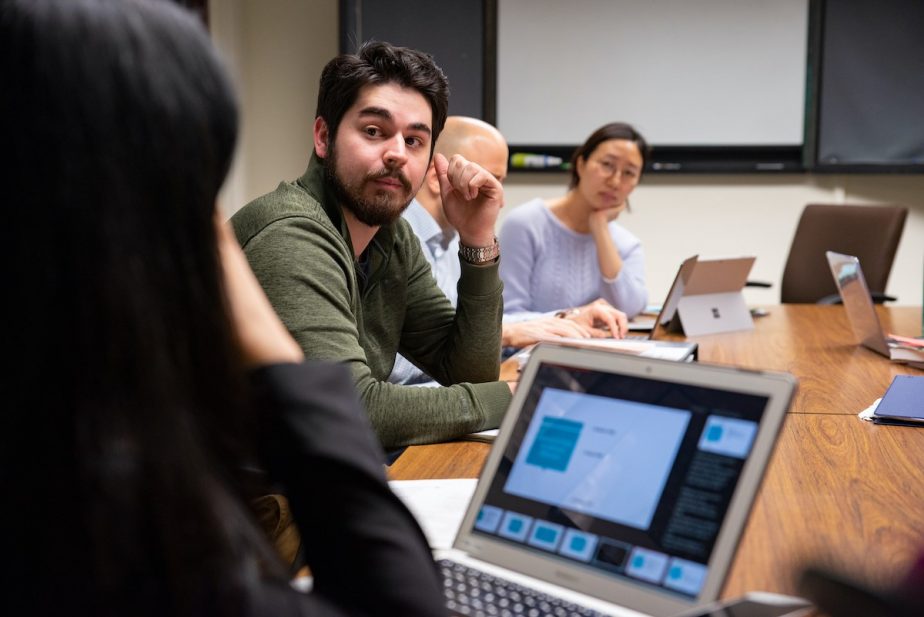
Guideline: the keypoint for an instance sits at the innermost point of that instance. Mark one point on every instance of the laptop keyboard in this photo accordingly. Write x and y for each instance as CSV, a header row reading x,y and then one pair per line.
x,y
472,592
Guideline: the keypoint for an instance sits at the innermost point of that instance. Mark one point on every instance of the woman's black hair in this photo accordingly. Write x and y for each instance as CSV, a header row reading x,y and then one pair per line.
x,y
122,420
613,130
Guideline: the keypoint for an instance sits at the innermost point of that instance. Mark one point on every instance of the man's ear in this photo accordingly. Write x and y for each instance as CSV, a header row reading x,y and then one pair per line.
x,y
431,180
321,137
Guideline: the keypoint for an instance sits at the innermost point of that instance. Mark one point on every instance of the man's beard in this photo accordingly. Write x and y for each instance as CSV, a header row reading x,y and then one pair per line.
x,y
383,208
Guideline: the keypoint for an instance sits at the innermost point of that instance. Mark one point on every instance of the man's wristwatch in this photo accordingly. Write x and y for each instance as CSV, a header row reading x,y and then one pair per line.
x,y
480,255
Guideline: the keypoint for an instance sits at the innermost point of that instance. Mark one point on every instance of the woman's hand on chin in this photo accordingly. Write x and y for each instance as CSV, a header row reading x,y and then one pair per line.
x,y
604,216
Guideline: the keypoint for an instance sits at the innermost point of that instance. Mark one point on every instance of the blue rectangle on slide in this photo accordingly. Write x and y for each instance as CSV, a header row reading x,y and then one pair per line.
x,y
515,526
554,445
728,436
546,535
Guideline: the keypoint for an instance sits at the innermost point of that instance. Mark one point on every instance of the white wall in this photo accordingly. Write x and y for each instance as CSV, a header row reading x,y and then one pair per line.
x,y
276,49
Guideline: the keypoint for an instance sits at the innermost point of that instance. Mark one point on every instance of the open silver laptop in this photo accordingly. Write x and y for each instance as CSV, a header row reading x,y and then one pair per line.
x,y
618,485
848,276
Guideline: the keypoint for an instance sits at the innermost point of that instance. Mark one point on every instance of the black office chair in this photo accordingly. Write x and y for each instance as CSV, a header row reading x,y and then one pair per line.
x,y
871,233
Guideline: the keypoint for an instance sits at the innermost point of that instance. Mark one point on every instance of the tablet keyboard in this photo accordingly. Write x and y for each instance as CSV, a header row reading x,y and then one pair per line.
x,y
469,591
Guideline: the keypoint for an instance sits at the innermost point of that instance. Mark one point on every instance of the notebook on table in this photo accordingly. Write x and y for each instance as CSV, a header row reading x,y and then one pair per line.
x,y
903,402
618,485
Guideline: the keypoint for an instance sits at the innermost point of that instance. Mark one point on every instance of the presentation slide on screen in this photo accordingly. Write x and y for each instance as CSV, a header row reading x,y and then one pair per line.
x,y
596,455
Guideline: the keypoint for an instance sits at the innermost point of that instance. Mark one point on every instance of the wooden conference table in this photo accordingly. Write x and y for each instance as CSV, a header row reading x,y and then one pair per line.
x,y
839,491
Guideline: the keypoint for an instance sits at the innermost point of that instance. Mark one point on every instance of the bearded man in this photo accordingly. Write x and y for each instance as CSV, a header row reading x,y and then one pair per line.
x,y
345,272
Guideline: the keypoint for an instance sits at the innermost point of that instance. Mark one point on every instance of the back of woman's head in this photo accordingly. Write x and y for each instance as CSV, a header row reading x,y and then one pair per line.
x,y
122,409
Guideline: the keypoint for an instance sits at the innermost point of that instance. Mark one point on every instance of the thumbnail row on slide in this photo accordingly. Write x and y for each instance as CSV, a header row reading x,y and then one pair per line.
x,y
654,567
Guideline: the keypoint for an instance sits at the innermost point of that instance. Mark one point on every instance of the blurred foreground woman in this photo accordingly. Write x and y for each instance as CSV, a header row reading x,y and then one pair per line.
x,y
148,367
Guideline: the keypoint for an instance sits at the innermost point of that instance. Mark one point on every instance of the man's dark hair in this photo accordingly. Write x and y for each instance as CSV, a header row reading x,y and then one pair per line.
x,y
613,130
380,63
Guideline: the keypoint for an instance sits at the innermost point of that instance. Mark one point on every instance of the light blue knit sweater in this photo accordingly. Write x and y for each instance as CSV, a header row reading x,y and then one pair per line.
x,y
547,267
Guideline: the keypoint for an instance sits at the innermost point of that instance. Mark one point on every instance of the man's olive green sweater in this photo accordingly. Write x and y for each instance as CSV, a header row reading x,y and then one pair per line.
x,y
299,247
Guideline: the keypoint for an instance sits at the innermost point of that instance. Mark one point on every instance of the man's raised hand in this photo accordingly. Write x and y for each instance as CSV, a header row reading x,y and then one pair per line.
x,y
472,198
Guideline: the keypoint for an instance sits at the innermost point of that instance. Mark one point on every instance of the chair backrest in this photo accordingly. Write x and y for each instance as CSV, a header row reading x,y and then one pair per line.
x,y
868,232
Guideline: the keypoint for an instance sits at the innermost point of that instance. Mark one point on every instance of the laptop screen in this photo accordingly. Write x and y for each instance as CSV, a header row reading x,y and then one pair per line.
x,y
626,475
848,276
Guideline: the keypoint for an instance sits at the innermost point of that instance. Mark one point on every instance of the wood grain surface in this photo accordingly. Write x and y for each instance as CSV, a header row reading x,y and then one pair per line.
x,y
838,491
816,344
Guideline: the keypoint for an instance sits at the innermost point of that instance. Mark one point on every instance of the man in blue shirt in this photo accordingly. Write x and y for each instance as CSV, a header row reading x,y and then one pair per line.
x,y
483,144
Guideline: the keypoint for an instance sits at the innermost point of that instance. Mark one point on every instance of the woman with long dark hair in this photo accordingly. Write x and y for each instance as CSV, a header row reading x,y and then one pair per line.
x,y
147,366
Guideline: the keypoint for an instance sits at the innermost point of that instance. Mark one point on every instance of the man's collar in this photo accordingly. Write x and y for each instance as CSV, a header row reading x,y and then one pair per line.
x,y
314,182
426,227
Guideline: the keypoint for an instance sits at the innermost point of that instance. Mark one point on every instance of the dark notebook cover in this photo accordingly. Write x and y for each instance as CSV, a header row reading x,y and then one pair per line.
x,y
903,402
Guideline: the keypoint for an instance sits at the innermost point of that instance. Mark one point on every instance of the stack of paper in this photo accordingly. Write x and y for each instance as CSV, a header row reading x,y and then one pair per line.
x,y
486,436
907,350
438,505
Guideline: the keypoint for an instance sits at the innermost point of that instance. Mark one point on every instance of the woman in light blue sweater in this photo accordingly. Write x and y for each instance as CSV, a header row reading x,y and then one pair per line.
x,y
568,253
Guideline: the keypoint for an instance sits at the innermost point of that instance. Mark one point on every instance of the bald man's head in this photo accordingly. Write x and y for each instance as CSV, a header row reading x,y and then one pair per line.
x,y
474,139
477,141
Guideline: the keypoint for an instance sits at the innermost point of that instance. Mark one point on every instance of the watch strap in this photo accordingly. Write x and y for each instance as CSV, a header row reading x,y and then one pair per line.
x,y
479,255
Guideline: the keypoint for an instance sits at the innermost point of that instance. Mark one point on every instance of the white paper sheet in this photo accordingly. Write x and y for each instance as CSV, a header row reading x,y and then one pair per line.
x,y
438,505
